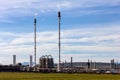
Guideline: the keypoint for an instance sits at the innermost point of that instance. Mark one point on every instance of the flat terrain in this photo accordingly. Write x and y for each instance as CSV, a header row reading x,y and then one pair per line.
x,y
56,76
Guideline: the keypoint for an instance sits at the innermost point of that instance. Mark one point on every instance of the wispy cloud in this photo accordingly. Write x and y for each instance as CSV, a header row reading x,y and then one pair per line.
x,y
29,7
77,43
84,41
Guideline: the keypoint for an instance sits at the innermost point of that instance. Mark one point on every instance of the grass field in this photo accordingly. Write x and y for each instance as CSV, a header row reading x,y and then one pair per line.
x,y
56,76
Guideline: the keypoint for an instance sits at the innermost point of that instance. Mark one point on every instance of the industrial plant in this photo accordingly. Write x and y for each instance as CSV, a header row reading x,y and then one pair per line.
x,y
46,62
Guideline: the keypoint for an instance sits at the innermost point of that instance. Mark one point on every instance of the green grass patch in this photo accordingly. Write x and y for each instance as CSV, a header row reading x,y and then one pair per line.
x,y
56,76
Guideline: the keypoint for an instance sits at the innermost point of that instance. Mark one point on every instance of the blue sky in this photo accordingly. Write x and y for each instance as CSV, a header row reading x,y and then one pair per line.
x,y
90,29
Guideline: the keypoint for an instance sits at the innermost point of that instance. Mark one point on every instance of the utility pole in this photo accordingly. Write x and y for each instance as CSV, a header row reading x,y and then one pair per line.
x,y
59,66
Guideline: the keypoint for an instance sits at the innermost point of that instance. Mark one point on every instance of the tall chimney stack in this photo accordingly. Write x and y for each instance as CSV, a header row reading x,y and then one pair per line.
x,y
30,64
35,21
14,60
59,18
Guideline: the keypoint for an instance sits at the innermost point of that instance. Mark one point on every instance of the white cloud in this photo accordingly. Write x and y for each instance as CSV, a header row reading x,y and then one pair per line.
x,y
14,8
81,42
87,40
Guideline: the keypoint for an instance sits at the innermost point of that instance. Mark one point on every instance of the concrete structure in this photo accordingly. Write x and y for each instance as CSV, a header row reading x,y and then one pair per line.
x,y
14,60
94,67
91,65
30,64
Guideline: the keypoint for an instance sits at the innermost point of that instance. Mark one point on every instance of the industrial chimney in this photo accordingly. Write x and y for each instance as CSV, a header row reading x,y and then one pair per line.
x,y
59,18
14,60
35,21
30,64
